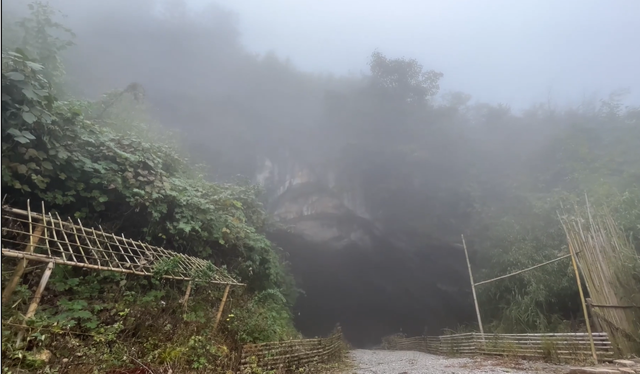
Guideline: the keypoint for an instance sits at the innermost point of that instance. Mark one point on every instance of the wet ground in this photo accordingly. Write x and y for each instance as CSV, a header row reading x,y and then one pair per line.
x,y
405,362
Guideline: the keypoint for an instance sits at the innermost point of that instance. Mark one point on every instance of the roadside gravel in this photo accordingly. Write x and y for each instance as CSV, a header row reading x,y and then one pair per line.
x,y
405,362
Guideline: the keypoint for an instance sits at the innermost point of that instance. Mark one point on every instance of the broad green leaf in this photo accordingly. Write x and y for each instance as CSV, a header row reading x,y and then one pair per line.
x,y
31,152
28,135
28,92
14,75
29,117
22,169
14,132
34,65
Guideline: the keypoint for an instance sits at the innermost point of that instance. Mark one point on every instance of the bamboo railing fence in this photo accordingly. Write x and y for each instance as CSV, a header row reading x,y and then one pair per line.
x,y
291,355
45,237
569,347
607,262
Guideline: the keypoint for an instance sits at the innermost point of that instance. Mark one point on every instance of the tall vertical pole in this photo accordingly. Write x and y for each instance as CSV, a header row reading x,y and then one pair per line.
x,y
582,300
224,300
38,295
473,288
35,301
185,300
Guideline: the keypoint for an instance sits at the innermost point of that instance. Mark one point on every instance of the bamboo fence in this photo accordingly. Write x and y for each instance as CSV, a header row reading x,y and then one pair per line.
x,y
606,260
45,237
570,347
291,355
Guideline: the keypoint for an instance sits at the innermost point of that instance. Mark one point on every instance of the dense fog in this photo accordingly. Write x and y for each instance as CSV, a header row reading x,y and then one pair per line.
x,y
382,131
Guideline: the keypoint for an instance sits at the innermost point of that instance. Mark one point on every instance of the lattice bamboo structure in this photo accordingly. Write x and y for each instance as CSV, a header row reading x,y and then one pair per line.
x,y
48,238
607,262
288,356
567,347
41,237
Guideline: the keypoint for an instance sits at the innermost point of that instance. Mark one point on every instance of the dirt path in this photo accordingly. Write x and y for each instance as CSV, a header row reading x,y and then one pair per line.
x,y
403,362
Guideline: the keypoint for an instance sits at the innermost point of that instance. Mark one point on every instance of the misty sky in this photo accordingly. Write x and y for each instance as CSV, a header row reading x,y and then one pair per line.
x,y
506,51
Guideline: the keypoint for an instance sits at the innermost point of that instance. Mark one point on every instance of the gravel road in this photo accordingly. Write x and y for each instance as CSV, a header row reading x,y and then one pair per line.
x,y
404,362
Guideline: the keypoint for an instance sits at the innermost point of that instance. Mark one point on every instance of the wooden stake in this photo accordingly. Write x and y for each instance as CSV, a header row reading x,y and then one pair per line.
x,y
224,300
582,300
473,288
34,238
36,299
186,297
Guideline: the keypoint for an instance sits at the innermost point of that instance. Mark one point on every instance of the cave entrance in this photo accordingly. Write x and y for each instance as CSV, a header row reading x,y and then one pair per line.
x,y
377,290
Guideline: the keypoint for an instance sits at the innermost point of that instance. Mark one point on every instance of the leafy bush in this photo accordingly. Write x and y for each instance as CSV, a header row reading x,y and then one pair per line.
x,y
265,318
79,158
51,152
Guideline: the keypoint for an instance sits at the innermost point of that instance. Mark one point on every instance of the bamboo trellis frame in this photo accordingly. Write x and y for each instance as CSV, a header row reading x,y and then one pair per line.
x,y
52,239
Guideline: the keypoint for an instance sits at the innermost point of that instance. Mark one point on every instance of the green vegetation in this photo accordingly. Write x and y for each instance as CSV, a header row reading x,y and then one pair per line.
x,y
431,166
594,153
497,176
90,161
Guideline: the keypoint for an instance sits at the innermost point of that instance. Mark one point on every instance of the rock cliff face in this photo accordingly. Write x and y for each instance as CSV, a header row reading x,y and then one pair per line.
x,y
354,271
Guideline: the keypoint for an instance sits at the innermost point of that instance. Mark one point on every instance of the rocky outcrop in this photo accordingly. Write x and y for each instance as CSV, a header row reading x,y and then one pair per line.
x,y
352,269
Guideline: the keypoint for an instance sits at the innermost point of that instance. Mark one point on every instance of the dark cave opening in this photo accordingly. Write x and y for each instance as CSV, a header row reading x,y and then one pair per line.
x,y
377,290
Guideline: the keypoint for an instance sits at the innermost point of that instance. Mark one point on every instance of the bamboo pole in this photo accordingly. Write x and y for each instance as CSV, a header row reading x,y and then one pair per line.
x,y
473,288
34,239
523,270
583,302
36,300
224,300
38,295
616,306
60,261
186,297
